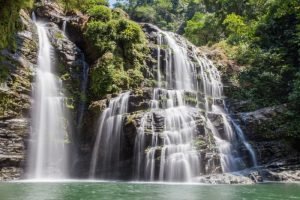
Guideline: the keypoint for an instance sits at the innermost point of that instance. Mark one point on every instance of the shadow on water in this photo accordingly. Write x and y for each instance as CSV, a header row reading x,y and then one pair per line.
x,y
132,191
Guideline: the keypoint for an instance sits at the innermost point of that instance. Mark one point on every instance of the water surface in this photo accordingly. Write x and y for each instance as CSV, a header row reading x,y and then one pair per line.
x,y
132,191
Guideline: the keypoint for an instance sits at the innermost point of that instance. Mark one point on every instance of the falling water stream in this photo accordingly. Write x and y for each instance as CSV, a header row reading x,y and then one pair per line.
x,y
47,150
171,123
64,26
106,152
189,90
184,75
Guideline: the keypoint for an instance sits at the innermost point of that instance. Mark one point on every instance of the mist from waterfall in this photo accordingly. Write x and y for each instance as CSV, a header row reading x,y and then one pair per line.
x,y
47,146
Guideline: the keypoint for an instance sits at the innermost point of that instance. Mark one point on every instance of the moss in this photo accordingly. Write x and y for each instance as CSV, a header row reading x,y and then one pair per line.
x,y
66,77
9,14
190,98
4,73
70,103
6,103
200,143
130,119
61,69
58,35
138,92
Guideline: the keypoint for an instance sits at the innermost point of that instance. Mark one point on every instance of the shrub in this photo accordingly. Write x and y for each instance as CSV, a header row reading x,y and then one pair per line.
x,y
144,14
82,5
202,29
100,12
9,14
236,28
121,45
118,13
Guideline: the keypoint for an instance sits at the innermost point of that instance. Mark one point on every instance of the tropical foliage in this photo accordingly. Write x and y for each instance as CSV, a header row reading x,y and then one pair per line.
x,y
262,36
9,14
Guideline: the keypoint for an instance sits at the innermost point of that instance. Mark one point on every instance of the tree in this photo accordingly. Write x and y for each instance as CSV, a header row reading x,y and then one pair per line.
x,y
236,28
202,29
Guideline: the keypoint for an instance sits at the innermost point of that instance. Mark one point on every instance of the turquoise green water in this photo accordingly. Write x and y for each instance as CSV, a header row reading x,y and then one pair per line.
x,y
132,191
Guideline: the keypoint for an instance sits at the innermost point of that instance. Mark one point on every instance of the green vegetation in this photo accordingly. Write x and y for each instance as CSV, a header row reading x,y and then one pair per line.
x,y
5,104
4,72
167,14
100,12
262,36
200,143
81,5
118,43
121,47
9,14
199,29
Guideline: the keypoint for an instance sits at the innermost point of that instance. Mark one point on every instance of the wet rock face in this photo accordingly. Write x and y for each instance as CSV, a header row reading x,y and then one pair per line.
x,y
261,127
70,64
15,100
153,123
140,101
54,13
12,147
72,69
253,120
15,92
75,23
269,143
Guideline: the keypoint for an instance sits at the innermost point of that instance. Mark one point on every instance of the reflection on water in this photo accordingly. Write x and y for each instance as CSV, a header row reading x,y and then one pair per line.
x,y
134,191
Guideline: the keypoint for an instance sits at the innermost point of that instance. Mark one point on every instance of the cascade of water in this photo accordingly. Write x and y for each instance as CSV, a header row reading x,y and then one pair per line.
x,y
33,16
172,155
179,160
64,26
84,82
3,86
47,151
107,145
244,141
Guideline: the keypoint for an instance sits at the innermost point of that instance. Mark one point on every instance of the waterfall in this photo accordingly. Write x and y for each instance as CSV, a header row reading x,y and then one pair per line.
x,y
47,149
3,86
187,107
106,152
64,26
33,16
172,154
